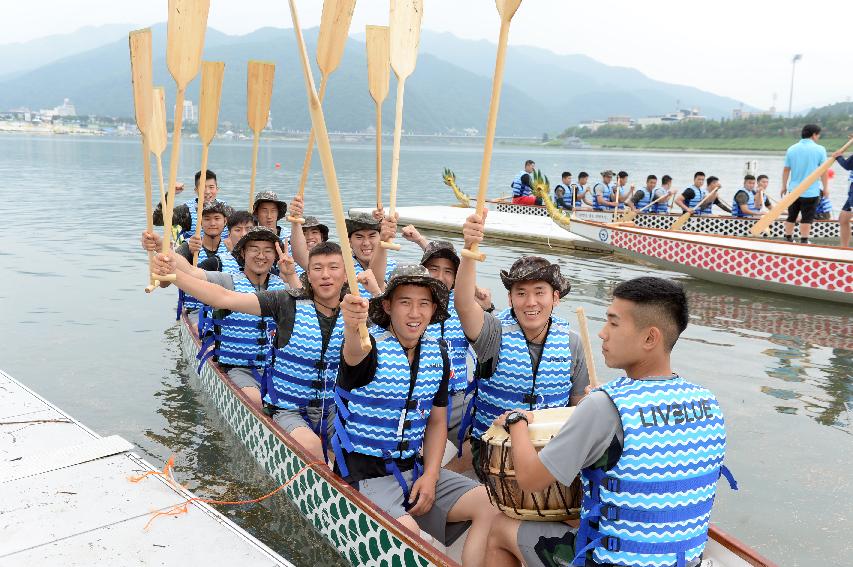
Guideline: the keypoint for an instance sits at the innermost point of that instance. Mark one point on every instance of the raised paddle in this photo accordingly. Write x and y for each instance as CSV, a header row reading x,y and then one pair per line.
x,y
378,78
208,119
334,30
587,347
767,219
157,145
682,220
139,42
506,10
405,35
184,43
259,80
318,123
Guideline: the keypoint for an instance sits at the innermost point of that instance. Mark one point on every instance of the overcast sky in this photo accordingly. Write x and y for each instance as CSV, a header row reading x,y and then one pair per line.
x,y
736,48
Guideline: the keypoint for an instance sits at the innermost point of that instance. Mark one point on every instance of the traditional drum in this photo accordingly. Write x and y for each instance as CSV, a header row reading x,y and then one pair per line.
x,y
556,503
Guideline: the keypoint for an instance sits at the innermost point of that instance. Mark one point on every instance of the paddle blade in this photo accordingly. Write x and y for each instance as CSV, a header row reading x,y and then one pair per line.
x,y
259,86
185,38
211,92
378,61
157,133
681,221
507,8
405,24
334,31
140,72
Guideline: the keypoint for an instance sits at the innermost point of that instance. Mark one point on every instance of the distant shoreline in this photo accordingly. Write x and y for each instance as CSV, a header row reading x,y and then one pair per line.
x,y
771,145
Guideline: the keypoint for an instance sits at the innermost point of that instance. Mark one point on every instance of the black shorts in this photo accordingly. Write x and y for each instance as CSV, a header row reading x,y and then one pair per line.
x,y
805,206
848,204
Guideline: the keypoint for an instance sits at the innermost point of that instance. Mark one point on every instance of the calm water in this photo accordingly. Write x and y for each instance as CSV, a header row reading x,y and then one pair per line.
x,y
79,329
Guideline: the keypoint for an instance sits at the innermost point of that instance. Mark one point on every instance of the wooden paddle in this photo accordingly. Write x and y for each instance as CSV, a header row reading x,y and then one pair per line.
x,y
208,119
767,219
184,43
139,42
682,220
378,78
334,30
259,94
405,35
318,123
506,10
587,347
157,136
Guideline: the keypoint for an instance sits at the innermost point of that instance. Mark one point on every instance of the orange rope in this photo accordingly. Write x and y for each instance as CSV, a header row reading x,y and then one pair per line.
x,y
183,507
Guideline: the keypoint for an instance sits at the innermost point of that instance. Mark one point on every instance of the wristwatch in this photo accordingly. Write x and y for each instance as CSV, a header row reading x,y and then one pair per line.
x,y
513,418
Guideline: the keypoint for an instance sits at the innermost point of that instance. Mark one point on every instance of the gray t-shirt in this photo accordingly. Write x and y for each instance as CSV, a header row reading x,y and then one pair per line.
x,y
281,306
220,279
488,345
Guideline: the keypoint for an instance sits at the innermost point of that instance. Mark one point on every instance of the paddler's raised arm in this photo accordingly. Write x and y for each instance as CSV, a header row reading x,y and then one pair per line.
x,y
354,312
470,313
387,232
298,244
216,296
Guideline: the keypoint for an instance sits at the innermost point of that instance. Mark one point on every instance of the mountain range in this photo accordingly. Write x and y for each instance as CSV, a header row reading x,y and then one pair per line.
x,y
449,90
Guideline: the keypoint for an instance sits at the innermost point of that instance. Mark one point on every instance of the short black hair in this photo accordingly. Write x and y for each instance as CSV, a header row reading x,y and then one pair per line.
x,y
652,176
529,162
582,175
241,217
666,179
698,173
325,249
810,130
622,174
661,303
567,174
749,177
209,175
762,176
711,179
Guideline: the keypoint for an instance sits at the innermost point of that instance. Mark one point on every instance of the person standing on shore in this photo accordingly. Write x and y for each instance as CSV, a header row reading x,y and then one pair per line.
x,y
801,160
845,219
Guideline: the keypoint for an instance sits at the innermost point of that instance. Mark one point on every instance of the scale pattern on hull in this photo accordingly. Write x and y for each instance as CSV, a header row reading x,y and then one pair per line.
x,y
353,532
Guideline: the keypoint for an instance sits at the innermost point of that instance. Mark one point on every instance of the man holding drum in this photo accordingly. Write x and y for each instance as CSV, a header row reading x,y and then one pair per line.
x,y
649,447
529,359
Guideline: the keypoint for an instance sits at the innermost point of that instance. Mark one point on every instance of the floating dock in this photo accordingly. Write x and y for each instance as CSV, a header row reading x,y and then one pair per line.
x,y
499,225
65,499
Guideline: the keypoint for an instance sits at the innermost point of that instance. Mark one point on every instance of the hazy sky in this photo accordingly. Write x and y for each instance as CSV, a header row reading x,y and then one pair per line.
x,y
741,49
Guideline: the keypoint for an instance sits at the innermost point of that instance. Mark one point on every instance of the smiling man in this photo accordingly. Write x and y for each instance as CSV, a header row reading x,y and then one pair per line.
x,y
649,447
392,403
364,237
529,359
184,215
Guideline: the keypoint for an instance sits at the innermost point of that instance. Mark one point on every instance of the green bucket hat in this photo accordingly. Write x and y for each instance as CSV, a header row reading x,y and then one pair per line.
x,y
440,249
354,225
270,197
410,274
533,269
216,206
312,222
255,233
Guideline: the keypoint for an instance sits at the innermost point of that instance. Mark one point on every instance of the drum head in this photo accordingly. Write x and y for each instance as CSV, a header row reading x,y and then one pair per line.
x,y
546,424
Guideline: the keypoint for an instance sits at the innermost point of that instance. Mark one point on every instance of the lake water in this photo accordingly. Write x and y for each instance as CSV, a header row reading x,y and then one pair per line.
x,y
78,328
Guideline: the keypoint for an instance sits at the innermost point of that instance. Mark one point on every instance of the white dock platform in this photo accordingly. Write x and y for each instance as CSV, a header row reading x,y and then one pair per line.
x,y
504,226
65,499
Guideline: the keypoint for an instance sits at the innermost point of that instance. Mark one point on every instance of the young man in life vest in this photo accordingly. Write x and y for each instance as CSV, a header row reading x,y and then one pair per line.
x,y
749,201
184,215
528,357
649,194
299,385
522,186
622,191
649,447
392,403
269,209
364,237
603,197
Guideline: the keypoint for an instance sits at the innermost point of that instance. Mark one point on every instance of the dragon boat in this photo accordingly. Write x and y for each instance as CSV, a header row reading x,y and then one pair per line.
x,y
361,532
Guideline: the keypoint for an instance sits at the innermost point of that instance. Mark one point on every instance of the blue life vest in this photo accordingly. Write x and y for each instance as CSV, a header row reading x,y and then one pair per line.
x,y
389,267
303,372
238,339
193,207
187,301
513,385
654,506
606,194
824,206
519,189
648,197
750,203
462,360
698,195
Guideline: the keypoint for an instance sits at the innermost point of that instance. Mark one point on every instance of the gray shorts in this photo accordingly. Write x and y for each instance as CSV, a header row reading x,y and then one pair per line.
x,y
243,377
458,403
387,494
289,420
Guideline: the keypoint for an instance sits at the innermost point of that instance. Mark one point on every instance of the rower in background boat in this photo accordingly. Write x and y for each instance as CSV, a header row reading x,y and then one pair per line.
x,y
567,195
392,402
634,441
530,359
602,193
644,197
522,186
691,197
750,200
184,215
623,191
583,193
845,219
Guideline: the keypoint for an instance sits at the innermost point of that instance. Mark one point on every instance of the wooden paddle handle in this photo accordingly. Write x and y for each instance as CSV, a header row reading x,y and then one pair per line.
x,y
767,219
389,245
587,347
379,155
309,152
255,142
202,181
166,278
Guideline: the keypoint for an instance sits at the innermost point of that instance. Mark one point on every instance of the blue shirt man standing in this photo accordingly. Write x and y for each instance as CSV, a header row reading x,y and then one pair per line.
x,y
801,160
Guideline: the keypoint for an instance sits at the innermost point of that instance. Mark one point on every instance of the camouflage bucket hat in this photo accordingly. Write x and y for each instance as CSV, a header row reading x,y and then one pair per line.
x,y
217,207
608,172
440,249
312,222
536,268
354,225
410,274
269,197
255,233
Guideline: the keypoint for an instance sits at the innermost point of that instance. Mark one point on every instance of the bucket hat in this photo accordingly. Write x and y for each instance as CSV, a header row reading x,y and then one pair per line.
x,y
410,274
269,197
536,268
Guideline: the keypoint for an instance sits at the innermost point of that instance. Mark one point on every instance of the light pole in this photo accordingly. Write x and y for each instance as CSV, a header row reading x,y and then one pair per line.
x,y
796,58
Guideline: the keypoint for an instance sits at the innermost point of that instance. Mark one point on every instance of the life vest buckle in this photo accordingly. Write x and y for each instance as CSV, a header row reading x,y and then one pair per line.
x,y
529,398
612,484
403,446
611,543
609,512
